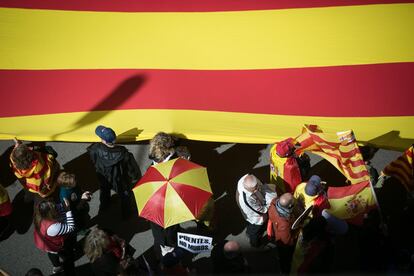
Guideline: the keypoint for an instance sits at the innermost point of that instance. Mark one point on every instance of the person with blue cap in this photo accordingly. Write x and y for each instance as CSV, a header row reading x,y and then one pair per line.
x,y
312,193
115,167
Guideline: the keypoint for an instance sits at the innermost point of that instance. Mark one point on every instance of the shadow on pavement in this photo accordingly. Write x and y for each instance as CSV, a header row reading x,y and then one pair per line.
x,y
224,171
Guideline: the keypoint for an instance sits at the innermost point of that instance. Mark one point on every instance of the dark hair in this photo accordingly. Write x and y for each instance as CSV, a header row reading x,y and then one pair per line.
x,y
46,209
34,272
22,157
183,152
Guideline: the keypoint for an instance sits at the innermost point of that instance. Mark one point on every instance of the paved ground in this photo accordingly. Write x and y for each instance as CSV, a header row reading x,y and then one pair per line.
x,y
226,163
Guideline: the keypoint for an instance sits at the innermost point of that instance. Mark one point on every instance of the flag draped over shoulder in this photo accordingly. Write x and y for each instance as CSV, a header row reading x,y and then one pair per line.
x,y
402,168
213,70
340,149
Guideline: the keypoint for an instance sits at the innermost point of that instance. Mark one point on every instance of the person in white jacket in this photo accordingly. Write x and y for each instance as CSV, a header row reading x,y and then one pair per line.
x,y
254,198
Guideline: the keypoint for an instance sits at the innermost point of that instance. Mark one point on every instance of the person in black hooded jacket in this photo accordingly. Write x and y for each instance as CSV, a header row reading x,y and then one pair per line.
x,y
116,169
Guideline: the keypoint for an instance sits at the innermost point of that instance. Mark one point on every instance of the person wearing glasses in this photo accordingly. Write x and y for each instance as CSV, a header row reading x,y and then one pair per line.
x,y
254,198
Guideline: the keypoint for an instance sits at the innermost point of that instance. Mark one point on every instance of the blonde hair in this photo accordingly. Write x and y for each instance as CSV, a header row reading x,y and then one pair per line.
x,y
161,145
96,243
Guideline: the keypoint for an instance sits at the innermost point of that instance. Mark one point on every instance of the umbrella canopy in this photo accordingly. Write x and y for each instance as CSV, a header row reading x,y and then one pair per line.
x,y
172,192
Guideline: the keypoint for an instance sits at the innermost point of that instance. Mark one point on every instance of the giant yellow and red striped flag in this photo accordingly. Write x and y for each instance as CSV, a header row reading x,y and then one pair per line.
x,y
340,149
403,169
213,70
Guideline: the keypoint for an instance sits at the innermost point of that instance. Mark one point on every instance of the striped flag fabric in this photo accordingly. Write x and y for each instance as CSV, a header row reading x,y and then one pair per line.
x,y
402,168
340,149
214,70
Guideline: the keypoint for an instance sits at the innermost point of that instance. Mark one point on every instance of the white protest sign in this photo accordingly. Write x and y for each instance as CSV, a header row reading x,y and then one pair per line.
x,y
194,243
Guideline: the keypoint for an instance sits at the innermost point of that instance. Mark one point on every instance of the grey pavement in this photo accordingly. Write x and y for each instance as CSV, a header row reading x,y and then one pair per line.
x,y
226,163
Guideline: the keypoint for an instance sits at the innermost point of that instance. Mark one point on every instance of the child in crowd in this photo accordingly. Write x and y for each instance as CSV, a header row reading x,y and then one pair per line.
x,y
69,190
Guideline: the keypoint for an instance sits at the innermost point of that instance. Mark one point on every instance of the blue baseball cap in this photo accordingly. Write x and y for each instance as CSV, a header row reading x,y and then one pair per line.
x,y
314,186
105,133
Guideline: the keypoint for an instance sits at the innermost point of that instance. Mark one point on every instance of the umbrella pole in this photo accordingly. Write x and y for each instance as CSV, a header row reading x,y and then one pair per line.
x,y
220,197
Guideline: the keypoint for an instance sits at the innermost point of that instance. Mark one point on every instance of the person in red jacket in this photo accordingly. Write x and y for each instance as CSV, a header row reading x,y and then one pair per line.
x,y
282,214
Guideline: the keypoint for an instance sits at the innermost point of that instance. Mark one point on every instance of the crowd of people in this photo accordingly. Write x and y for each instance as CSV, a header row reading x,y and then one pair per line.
x,y
292,217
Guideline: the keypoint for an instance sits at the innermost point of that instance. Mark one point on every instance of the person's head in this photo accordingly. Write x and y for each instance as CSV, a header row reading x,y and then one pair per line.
x,y
313,186
45,210
250,183
287,201
231,249
96,243
161,145
106,134
66,179
285,148
285,205
22,157
334,225
34,272
183,152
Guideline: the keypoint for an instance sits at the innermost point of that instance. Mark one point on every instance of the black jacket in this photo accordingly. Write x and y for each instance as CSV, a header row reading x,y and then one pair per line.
x,y
116,166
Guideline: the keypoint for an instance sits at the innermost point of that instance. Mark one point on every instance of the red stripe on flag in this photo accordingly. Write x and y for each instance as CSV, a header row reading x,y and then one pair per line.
x,y
184,5
276,91
329,145
343,154
352,163
340,192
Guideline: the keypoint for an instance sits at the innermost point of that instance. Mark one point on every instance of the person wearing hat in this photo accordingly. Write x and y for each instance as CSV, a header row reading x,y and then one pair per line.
x,y
287,169
312,193
254,199
115,167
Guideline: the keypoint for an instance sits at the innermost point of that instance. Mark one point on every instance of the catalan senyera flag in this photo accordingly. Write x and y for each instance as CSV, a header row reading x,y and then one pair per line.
x,y
402,168
38,178
213,70
340,149
351,202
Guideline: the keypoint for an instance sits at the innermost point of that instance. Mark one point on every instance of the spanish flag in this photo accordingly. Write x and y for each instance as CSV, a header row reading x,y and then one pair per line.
x,y
340,149
351,202
402,168
214,70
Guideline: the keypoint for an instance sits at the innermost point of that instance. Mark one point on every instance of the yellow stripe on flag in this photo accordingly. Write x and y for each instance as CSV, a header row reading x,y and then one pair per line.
x,y
288,38
198,125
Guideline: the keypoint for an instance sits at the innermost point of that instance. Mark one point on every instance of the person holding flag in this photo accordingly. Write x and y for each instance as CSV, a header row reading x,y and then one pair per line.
x,y
312,193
